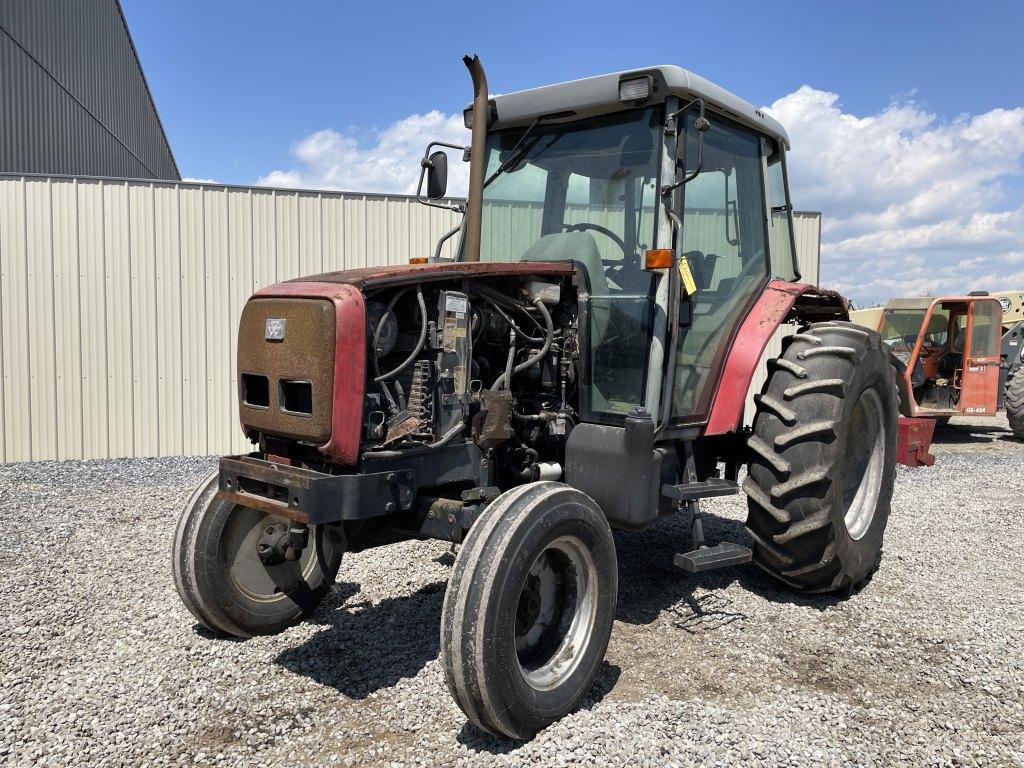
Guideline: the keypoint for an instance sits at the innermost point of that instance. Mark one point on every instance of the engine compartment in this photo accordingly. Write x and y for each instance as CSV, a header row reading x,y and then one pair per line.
x,y
494,360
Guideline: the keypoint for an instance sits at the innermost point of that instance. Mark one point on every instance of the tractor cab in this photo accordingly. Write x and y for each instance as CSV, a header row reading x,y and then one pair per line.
x,y
947,351
670,194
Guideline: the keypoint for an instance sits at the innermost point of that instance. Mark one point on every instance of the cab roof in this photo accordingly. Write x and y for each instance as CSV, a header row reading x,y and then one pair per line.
x,y
600,95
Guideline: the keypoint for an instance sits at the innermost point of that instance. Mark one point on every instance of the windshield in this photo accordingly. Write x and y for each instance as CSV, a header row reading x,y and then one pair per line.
x,y
901,326
597,176
900,329
585,191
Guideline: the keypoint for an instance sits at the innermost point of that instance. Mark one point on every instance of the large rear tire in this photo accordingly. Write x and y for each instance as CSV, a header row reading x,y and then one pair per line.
x,y
529,609
224,583
823,461
1013,400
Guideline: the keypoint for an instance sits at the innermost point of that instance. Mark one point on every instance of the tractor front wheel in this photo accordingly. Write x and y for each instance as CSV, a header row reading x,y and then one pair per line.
x,y
529,609
823,460
228,576
1014,402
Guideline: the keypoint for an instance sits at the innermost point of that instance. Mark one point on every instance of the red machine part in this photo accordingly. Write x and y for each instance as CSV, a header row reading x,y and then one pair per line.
x,y
767,315
913,439
349,360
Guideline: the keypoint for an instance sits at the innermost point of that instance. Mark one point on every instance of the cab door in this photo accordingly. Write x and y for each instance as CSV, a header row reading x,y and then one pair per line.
x,y
725,250
979,384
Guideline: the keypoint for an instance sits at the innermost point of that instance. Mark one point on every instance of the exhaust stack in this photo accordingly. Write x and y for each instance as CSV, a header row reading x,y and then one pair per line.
x,y
475,197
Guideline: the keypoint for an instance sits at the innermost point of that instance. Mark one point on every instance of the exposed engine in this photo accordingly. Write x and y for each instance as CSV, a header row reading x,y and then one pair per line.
x,y
491,360
495,361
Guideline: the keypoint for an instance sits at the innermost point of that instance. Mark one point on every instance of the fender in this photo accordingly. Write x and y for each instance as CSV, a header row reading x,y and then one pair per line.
x,y
779,302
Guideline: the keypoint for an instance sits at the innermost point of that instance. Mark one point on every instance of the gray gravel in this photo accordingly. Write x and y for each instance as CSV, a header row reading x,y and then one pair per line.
x,y
101,664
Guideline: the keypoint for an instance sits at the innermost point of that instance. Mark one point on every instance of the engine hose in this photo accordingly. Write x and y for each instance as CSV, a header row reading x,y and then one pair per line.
x,y
478,290
392,405
419,344
534,358
507,375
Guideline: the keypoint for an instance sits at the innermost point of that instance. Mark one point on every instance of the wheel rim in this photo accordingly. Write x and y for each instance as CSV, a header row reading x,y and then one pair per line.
x,y
259,582
865,463
555,614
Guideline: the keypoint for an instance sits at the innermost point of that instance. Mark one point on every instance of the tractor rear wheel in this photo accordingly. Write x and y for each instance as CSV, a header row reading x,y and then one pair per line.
x,y
823,461
1014,402
226,584
529,609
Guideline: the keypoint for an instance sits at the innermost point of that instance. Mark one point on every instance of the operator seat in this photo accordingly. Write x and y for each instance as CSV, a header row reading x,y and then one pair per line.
x,y
582,248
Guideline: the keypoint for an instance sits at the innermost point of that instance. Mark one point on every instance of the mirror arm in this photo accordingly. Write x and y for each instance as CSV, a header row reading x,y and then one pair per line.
x,y
444,238
671,128
424,165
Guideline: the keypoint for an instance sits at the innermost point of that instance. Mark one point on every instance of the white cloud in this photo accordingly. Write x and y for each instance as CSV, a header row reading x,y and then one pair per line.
x,y
911,203
194,180
328,159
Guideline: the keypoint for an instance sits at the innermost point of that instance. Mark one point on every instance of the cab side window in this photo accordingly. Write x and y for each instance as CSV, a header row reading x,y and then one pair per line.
x,y
780,236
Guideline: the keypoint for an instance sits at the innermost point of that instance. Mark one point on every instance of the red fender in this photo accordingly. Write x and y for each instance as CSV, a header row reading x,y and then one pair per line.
x,y
771,309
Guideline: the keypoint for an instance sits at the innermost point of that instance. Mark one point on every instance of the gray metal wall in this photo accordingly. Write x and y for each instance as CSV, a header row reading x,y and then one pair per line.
x,y
73,98
120,300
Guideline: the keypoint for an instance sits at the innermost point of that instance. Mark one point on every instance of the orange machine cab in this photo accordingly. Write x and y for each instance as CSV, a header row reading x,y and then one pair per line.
x,y
949,348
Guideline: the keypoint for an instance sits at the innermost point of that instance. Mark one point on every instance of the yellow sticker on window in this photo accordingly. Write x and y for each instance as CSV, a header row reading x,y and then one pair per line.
x,y
687,275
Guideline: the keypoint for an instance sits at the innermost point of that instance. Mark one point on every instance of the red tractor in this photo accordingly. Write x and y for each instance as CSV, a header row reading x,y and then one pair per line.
x,y
582,365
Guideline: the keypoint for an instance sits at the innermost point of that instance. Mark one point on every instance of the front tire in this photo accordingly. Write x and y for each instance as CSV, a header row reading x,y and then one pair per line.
x,y
221,579
823,461
529,609
1013,400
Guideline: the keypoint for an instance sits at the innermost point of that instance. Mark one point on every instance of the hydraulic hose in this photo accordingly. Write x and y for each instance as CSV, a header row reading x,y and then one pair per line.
x,y
494,298
506,378
380,377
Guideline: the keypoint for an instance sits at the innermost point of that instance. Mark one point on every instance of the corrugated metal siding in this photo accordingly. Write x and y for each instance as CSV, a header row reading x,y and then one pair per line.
x,y
120,301
73,98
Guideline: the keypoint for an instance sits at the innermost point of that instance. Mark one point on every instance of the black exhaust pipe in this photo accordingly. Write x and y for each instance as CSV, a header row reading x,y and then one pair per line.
x,y
475,197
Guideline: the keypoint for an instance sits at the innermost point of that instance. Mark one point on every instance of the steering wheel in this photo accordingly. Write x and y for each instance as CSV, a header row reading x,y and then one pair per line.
x,y
585,225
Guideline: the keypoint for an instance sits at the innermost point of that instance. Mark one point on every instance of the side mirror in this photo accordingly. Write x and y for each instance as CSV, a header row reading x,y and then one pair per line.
x,y
437,175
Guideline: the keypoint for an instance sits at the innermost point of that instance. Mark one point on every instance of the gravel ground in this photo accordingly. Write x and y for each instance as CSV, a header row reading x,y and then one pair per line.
x,y
102,665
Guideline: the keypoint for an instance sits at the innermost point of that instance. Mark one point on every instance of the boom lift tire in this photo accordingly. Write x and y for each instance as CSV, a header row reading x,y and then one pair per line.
x,y
1014,402
529,608
222,580
822,466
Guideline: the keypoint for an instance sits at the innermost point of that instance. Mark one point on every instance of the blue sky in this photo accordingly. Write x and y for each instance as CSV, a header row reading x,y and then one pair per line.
x,y
336,94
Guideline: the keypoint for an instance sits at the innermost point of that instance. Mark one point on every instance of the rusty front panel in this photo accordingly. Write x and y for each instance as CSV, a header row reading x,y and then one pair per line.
x,y
305,354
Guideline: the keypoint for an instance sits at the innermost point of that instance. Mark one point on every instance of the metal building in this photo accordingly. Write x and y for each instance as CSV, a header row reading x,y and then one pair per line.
x,y
73,98
120,301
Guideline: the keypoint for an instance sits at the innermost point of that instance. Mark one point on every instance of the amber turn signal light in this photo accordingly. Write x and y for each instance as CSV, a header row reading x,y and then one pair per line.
x,y
418,260
658,258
